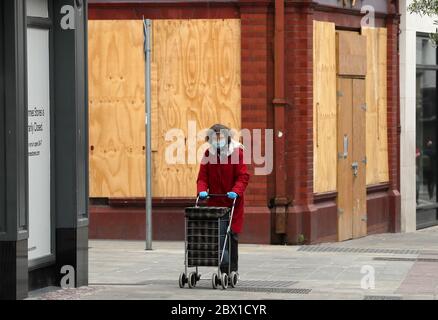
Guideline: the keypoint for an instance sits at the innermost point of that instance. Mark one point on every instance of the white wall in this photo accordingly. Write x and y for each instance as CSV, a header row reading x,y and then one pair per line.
x,y
409,26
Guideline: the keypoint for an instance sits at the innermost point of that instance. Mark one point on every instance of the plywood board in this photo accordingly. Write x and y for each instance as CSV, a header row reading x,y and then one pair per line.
x,y
383,171
359,153
116,108
344,175
195,76
376,97
198,66
324,107
351,54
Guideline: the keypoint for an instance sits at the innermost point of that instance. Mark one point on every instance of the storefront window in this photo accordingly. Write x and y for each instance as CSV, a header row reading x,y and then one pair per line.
x,y
41,239
37,8
426,53
426,133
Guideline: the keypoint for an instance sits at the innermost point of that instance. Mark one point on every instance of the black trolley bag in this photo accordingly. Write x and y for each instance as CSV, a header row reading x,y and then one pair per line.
x,y
207,243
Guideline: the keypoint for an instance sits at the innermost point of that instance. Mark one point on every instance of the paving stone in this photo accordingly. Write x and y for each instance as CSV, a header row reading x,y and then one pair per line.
x,y
124,270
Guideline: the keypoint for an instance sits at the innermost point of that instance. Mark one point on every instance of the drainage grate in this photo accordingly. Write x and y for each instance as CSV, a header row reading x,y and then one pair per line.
x,y
265,286
357,250
243,283
427,260
160,282
268,286
267,283
406,259
382,298
430,252
273,290
142,283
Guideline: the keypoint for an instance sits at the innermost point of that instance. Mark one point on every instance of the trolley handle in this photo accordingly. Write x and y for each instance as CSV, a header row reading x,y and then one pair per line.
x,y
213,195
217,195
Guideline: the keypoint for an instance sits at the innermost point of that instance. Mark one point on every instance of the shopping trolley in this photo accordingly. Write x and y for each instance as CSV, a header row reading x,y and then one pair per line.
x,y
207,243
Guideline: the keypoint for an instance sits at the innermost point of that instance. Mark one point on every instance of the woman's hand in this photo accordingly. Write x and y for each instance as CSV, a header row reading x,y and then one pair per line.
x,y
232,195
203,194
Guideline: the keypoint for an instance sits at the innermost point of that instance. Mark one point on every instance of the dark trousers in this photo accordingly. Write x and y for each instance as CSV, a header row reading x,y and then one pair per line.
x,y
234,251
233,255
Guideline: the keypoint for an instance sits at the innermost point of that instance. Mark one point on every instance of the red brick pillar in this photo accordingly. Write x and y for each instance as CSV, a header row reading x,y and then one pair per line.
x,y
392,25
299,142
256,29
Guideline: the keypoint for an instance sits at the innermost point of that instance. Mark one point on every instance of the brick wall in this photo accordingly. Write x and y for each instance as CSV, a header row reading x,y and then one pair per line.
x,y
393,100
299,94
256,92
256,54
393,119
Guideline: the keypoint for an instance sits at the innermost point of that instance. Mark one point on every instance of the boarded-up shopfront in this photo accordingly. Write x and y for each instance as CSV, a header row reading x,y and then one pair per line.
x,y
350,126
195,73
356,121
314,72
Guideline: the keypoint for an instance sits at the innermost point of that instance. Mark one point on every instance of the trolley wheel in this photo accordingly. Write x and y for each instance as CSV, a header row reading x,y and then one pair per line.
x,y
182,280
198,277
224,281
214,281
192,280
234,278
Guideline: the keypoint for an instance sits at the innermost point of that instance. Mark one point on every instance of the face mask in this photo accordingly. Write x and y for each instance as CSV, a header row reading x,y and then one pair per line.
x,y
219,145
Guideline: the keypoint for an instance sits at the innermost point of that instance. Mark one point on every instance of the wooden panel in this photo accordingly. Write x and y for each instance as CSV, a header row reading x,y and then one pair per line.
x,y
372,97
383,171
324,106
359,153
376,97
195,76
344,175
351,54
116,108
198,68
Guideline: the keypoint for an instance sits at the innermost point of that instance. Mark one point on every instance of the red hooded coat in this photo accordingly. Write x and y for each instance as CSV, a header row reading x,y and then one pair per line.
x,y
222,177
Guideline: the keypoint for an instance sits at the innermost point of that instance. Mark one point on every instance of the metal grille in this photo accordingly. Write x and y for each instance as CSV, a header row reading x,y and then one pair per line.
x,y
267,283
207,281
382,298
357,250
267,286
430,252
405,259
274,290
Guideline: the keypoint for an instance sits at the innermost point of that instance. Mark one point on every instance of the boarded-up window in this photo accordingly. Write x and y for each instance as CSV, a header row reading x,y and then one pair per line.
x,y
377,136
195,77
324,107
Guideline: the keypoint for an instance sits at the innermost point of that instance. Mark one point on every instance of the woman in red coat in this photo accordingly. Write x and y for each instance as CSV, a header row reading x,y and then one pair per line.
x,y
223,171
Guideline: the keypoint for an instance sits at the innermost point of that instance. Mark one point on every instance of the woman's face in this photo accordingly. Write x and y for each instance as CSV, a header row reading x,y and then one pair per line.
x,y
219,141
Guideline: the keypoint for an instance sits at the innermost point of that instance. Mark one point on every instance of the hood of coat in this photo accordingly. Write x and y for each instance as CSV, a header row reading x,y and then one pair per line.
x,y
231,146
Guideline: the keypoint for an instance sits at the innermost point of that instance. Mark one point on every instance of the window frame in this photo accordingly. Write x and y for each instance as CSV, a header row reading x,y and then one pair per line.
x,y
47,24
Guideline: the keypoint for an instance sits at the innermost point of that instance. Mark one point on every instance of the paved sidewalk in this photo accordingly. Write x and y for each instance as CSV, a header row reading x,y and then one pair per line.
x,y
405,266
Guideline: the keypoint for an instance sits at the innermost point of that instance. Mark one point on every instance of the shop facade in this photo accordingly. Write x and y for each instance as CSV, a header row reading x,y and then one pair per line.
x,y
43,162
288,66
418,72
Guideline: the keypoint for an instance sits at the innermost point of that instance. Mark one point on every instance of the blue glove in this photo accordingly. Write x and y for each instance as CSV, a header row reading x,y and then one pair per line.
x,y
232,195
203,194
